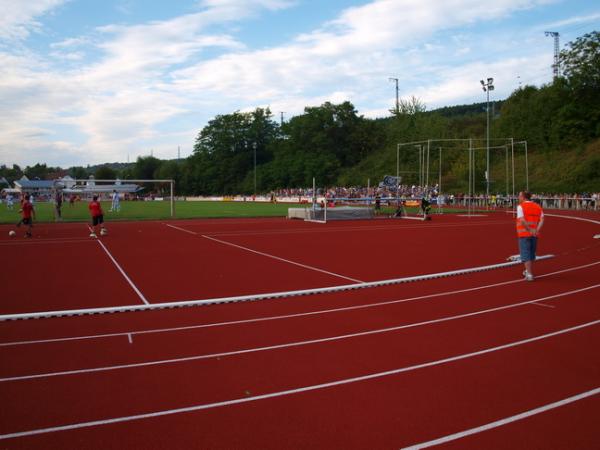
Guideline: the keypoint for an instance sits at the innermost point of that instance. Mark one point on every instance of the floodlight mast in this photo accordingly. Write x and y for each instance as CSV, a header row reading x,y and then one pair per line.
x,y
487,87
397,96
556,66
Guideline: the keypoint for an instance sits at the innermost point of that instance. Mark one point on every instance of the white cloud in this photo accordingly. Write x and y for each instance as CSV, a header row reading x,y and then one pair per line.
x,y
147,75
19,17
571,21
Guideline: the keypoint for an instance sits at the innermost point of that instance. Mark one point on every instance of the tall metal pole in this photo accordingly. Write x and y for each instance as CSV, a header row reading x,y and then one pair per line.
x,y
526,168
427,178
487,154
172,199
254,147
470,176
512,152
506,149
398,176
487,87
397,95
440,174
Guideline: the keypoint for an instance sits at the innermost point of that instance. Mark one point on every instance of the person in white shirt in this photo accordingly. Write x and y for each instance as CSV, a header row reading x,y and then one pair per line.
x,y
116,205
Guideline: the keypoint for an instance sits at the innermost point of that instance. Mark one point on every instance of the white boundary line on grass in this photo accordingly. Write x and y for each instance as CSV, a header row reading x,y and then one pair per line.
x,y
505,421
255,297
133,286
293,344
286,316
314,387
266,254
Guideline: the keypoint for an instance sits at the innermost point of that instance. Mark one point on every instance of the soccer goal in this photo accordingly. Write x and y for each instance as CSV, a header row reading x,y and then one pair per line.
x,y
146,198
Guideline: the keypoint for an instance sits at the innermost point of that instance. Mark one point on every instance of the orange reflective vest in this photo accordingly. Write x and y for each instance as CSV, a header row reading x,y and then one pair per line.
x,y
532,213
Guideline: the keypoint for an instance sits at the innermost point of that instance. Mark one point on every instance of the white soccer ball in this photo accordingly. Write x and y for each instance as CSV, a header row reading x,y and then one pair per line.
x,y
12,233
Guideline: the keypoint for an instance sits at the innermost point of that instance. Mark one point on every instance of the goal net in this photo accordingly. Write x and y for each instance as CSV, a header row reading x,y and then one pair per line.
x,y
120,199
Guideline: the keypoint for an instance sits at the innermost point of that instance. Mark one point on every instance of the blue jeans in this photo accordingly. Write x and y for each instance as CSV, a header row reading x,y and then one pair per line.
x,y
527,248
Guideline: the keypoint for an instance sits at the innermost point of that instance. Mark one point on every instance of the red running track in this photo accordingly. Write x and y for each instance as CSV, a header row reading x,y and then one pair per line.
x,y
384,412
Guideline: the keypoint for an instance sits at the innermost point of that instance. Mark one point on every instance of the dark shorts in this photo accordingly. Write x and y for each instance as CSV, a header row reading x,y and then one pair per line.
x,y
527,248
97,220
27,221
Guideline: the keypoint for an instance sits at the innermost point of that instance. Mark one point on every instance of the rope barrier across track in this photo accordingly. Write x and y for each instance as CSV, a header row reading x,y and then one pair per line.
x,y
256,297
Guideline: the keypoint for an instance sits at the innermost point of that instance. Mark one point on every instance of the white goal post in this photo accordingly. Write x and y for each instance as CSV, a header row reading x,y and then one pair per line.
x,y
91,186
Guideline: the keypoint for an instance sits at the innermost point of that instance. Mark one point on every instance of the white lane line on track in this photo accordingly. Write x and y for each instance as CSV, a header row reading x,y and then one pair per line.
x,y
291,344
583,219
286,316
305,266
543,304
133,286
181,229
315,387
267,255
505,421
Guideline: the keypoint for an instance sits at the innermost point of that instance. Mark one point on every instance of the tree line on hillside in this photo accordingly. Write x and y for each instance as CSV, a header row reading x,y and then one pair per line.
x,y
337,146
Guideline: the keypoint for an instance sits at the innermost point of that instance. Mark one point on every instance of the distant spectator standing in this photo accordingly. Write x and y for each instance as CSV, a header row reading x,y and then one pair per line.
x,y
530,219
9,201
116,202
58,201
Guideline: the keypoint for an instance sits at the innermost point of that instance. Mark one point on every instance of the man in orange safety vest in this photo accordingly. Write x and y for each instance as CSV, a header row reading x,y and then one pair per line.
x,y
530,219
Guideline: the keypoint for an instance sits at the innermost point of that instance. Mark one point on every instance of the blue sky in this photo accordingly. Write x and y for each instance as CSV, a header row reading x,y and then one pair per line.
x,y
90,81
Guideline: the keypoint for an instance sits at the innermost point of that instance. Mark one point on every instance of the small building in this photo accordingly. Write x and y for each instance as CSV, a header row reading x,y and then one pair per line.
x,y
39,188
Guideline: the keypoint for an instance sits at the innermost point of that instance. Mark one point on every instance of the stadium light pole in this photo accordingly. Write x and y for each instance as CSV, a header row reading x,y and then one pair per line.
x,y
487,87
254,147
397,98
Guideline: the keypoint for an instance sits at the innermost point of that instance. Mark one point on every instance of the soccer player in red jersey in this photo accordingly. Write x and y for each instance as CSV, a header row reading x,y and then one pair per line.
x,y
97,217
27,214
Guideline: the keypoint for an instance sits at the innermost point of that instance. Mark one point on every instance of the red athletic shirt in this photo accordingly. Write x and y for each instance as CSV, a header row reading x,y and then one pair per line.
x,y
27,208
95,209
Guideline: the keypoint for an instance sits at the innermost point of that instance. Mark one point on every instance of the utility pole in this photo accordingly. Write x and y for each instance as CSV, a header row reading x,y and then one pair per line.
x,y
487,87
281,113
556,65
178,152
397,98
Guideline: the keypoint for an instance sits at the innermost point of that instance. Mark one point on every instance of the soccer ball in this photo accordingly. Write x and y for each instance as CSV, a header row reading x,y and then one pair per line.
x,y
12,233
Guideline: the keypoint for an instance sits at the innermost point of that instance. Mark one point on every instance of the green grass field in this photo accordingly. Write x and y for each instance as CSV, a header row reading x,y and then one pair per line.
x,y
161,210
152,210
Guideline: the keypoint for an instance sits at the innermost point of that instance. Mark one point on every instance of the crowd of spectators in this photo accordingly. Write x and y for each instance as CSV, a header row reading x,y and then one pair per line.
x,y
583,200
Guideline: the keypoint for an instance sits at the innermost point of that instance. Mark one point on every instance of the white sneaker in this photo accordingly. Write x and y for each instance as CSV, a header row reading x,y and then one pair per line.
x,y
525,273
93,235
528,277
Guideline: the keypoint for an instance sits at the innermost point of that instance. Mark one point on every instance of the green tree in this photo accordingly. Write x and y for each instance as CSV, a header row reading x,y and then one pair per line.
x,y
78,172
224,152
146,167
105,173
